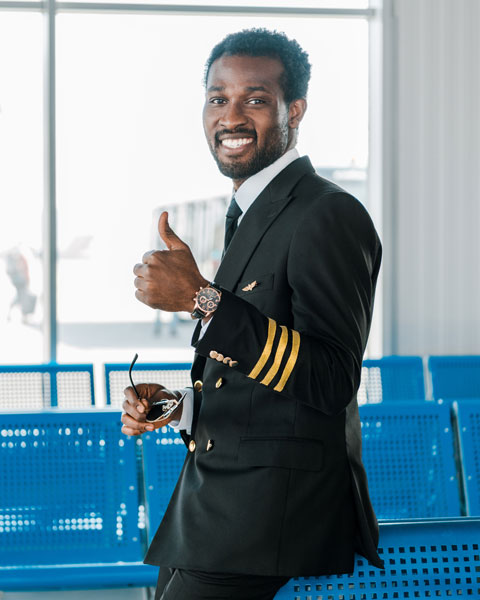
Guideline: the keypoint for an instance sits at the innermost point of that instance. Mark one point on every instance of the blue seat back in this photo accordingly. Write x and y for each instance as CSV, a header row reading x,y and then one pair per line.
x,y
34,387
392,379
468,424
173,376
163,457
68,490
438,559
455,377
408,453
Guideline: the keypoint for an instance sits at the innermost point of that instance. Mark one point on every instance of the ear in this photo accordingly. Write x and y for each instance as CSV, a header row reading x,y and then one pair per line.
x,y
296,110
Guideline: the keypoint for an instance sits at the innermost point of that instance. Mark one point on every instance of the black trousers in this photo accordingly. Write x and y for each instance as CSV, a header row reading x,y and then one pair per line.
x,y
181,584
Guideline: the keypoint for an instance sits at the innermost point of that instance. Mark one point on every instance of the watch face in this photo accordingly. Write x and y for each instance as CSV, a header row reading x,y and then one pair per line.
x,y
208,299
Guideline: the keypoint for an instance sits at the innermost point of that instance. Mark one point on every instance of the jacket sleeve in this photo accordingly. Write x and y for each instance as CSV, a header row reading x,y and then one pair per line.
x,y
333,262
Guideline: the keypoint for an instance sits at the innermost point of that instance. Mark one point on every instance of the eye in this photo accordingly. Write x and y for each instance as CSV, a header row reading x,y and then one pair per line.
x,y
255,101
217,101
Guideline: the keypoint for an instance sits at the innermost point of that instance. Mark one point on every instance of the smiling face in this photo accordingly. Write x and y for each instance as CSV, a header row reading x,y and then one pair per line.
x,y
247,123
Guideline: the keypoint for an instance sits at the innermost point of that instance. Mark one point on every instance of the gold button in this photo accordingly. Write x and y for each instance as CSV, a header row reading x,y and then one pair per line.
x,y
220,357
219,383
213,354
233,363
198,385
209,445
192,445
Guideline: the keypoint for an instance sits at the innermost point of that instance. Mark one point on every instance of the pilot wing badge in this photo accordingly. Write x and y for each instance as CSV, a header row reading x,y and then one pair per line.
x,y
249,287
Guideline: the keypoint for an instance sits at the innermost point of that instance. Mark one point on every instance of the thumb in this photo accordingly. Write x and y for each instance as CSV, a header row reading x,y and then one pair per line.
x,y
171,239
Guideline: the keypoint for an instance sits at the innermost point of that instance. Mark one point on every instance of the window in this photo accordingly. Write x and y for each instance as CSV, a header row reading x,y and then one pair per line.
x,y
21,187
130,142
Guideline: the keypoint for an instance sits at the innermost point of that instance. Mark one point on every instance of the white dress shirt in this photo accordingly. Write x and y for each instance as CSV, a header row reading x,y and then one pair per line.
x,y
245,196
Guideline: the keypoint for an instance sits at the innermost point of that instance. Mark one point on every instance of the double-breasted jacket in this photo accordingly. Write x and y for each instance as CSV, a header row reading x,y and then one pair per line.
x,y
273,481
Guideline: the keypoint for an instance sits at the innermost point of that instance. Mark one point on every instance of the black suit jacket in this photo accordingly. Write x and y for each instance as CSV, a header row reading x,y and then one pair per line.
x,y
273,483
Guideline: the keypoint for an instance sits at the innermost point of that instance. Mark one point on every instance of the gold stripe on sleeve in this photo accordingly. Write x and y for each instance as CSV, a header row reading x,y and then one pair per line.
x,y
292,359
282,345
272,328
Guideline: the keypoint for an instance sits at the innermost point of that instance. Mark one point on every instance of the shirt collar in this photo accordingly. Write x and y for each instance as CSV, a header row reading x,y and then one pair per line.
x,y
250,189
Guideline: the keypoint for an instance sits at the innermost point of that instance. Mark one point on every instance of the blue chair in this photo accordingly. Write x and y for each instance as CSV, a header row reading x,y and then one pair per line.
x,y
172,375
392,379
69,502
424,559
163,457
455,377
408,452
35,387
468,425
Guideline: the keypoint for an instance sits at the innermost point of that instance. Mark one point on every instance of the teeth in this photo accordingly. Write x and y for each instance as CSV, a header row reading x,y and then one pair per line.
x,y
231,143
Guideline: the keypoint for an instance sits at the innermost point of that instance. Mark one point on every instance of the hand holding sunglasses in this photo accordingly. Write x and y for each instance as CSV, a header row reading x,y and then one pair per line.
x,y
159,409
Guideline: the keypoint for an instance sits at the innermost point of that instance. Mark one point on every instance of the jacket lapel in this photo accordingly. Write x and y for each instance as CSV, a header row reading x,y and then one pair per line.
x,y
258,219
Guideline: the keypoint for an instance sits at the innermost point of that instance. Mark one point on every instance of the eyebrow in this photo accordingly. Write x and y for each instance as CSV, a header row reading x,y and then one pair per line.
x,y
249,88
257,88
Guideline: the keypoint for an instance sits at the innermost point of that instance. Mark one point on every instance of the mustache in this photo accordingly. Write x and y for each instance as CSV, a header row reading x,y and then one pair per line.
x,y
250,132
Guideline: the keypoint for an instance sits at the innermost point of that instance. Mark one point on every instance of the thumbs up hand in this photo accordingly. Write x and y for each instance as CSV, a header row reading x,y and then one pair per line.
x,y
168,279
169,237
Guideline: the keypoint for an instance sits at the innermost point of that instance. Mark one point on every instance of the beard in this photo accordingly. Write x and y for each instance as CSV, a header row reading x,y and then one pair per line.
x,y
276,141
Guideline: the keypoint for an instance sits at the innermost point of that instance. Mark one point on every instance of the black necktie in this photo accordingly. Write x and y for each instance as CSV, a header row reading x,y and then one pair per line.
x,y
231,222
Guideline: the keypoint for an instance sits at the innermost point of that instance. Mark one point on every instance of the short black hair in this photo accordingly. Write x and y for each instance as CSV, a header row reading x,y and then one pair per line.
x,y
274,44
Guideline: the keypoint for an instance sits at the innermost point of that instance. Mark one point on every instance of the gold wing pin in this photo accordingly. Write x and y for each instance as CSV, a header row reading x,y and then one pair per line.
x,y
249,287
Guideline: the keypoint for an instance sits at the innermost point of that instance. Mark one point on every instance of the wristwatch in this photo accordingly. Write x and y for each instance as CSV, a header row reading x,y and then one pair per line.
x,y
207,300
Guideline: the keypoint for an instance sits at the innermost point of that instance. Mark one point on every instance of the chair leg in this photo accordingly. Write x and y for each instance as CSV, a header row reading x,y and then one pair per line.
x,y
149,593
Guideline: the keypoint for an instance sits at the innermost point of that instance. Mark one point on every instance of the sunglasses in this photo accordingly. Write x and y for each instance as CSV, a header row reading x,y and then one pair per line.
x,y
162,409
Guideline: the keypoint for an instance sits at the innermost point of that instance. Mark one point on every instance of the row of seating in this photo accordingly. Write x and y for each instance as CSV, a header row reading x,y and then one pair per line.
x,y
71,386
393,378
423,559
422,460
72,513
400,378
79,503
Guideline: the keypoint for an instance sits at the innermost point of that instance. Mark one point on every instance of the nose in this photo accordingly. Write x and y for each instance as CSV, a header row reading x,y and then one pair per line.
x,y
233,116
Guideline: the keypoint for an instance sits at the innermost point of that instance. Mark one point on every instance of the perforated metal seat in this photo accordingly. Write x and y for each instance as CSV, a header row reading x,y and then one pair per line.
x,y
408,452
455,377
468,423
172,375
69,502
392,379
35,387
437,559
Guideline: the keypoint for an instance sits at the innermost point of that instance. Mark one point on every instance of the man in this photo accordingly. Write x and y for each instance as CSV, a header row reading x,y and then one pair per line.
x,y
273,484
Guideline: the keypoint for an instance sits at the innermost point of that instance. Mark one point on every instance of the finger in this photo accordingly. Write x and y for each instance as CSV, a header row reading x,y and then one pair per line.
x,y
139,269
140,283
136,411
171,239
135,425
147,255
141,405
128,431
129,425
139,295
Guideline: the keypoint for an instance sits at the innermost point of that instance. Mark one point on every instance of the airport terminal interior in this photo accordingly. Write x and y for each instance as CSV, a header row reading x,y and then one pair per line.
x,y
100,133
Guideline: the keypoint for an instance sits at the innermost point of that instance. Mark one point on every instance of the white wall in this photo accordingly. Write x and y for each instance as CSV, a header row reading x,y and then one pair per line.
x,y
432,177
